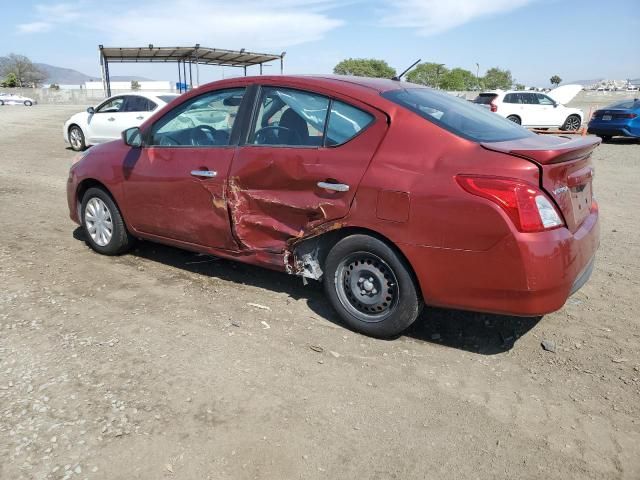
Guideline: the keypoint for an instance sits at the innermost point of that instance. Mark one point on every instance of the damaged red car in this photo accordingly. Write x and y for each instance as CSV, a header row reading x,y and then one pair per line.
x,y
393,195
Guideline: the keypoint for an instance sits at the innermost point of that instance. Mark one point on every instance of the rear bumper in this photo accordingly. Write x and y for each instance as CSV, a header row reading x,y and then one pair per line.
x,y
613,130
523,274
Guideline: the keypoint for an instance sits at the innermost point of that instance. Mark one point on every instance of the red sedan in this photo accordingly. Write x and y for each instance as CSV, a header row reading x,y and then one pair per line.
x,y
392,194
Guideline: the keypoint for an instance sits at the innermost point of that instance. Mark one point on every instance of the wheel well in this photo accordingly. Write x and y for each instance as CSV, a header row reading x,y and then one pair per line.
x,y
86,185
320,245
74,125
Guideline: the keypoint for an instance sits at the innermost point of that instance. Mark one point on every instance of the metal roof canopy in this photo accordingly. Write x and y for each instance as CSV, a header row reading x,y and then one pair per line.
x,y
183,55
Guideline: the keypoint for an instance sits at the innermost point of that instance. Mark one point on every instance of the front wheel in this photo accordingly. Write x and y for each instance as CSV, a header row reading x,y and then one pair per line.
x,y
371,287
572,123
103,225
28,103
76,138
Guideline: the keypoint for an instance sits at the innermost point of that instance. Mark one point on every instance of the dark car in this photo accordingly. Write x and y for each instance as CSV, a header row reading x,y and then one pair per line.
x,y
392,194
618,119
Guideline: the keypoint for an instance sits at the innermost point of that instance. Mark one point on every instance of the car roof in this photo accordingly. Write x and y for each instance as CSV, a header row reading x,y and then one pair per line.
x,y
149,95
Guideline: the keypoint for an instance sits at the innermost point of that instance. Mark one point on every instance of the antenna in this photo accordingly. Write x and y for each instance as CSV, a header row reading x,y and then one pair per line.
x,y
398,77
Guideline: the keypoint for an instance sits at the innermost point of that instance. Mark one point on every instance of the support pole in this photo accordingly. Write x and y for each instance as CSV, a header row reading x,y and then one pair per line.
x,y
281,64
106,74
184,71
260,69
245,70
179,78
190,74
104,82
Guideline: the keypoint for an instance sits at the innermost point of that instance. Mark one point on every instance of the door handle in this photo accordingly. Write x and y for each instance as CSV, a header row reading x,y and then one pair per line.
x,y
204,173
111,119
336,187
140,117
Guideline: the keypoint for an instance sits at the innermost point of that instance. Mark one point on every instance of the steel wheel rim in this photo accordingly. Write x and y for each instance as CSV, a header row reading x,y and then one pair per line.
x,y
74,137
98,221
573,123
367,287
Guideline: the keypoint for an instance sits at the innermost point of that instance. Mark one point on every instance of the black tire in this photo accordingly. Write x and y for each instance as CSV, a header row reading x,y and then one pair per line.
x,y
572,123
28,103
1,103
80,144
120,240
514,119
605,138
360,268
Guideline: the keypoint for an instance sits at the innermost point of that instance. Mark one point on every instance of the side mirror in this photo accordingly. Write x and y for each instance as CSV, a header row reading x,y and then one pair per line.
x,y
91,110
132,137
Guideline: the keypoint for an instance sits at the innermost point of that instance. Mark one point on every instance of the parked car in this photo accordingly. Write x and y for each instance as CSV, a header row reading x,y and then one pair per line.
x,y
13,99
392,194
618,119
106,121
535,109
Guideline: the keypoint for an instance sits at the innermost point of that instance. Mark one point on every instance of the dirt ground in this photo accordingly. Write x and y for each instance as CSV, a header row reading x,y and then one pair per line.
x,y
166,364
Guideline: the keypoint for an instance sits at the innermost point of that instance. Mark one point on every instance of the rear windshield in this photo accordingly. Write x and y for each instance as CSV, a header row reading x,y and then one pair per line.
x,y
458,116
630,103
485,98
167,98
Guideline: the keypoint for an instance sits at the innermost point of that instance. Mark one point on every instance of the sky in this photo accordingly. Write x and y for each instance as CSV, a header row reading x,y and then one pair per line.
x,y
535,39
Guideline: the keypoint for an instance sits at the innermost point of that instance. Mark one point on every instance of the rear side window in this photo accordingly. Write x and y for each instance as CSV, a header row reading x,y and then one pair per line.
x,y
345,122
512,98
457,116
138,104
485,98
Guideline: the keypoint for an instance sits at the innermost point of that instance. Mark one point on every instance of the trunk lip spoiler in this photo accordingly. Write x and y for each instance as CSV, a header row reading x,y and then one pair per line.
x,y
549,150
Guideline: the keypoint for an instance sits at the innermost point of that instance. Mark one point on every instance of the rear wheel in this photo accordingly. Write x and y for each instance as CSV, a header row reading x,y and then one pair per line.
x,y
514,119
103,225
76,138
371,287
572,123
1,103
28,103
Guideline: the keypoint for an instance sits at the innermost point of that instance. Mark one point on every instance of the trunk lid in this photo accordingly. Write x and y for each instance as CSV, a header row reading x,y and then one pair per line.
x,y
566,169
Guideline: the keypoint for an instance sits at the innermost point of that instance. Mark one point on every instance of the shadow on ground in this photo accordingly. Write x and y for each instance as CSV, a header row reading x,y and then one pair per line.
x,y
481,333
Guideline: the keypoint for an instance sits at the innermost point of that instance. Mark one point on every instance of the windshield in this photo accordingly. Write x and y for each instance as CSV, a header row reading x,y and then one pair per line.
x,y
460,117
630,103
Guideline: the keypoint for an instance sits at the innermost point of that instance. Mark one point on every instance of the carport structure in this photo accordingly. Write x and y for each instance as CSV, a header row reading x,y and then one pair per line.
x,y
185,57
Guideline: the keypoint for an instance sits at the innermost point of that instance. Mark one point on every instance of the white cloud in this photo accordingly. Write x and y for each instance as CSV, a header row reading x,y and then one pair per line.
x,y
34,27
250,24
430,17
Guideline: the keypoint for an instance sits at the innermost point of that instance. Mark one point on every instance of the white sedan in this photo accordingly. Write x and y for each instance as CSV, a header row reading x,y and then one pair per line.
x,y
106,121
12,99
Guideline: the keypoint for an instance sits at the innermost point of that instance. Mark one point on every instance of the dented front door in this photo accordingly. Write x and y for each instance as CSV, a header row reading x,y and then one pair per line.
x,y
279,193
179,193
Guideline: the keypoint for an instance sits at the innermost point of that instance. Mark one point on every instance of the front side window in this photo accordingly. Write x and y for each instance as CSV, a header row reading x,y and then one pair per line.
x,y
345,122
456,115
544,100
112,106
289,117
203,121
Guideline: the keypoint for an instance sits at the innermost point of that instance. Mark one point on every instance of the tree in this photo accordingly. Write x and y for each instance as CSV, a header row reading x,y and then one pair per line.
x,y
364,67
10,81
458,79
519,86
428,73
27,74
54,86
555,80
497,78
135,85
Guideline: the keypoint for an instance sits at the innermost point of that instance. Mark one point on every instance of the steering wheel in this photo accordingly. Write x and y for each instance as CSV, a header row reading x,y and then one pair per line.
x,y
262,135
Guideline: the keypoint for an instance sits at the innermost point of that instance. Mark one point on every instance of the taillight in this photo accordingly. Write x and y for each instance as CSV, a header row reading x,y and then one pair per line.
x,y
494,107
626,115
527,206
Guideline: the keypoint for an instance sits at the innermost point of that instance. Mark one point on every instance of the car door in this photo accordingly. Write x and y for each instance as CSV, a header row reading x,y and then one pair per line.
x,y
547,111
299,166
175,185
104,123
136,110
